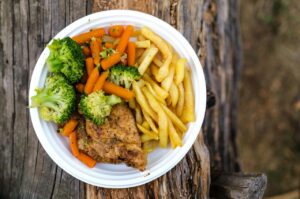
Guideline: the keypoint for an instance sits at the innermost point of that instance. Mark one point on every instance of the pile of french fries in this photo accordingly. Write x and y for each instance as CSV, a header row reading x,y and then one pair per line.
x,y
164,98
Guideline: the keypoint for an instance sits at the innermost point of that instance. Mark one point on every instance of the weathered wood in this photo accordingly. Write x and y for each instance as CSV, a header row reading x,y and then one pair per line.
x,y
236,185
211,26
25,169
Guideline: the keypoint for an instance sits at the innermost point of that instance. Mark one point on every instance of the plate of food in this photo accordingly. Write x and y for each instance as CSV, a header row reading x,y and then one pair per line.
x,y
117,98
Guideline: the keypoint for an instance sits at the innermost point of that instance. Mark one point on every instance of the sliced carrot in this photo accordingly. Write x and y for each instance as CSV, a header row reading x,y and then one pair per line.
x,y
108,45
69,127
124,39
116,31
99,84
91,81
96,48
89,64
87,160
86,51
73,143
112,88
110,61
80,87
84,37
131,53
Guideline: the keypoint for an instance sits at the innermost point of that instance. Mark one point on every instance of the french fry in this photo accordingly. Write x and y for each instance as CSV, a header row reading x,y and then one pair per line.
x,y
131,103
179,70
176,121
175,58
149,55
147,132
146,138
149,146
145,125
139,52
154,70
150,122
143,44
169,100
158,90
163,47
136,33
157,61
159,98
174,94
167,82
162,118
140,98
188,114
140,37
138,115
180,102
174,137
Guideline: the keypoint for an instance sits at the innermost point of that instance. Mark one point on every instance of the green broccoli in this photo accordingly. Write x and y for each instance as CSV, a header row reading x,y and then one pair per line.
x,y
56,101
123,75
97,106
66,57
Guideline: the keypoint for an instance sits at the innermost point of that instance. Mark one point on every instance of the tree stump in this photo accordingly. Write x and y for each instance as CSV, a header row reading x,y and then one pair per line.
x,y
211,26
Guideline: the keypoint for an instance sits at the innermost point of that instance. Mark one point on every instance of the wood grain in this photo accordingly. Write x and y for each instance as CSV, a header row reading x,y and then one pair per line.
x,y
26,27
26,171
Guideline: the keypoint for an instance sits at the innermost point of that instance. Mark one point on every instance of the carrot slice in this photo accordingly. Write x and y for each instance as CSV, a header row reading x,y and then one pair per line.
x,y
73,143
84,37
131,53
116,31
124,39
112,88
69,127
86,51
108,45
99,84
80,87
87,160
89,64
96,48
91,81
110,61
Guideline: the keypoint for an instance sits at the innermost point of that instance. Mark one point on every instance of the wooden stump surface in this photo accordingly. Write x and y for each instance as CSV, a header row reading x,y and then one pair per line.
x,y
26,171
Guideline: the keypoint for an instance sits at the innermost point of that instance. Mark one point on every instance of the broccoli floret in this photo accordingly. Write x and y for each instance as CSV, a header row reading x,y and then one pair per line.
x,y
97,106
56,101
66,57
124,75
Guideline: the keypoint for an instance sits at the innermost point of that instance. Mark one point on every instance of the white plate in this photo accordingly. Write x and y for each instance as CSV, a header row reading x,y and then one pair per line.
x,y
161,160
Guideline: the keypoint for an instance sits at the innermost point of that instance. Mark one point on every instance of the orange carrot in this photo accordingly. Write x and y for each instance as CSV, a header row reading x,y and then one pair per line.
x,y
91,81
96,48
124,39
112,88
89,64
73,143
116,31
86,51
84,37
108,45
69,127
87,160
131,53
99,84
110,61
80,87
